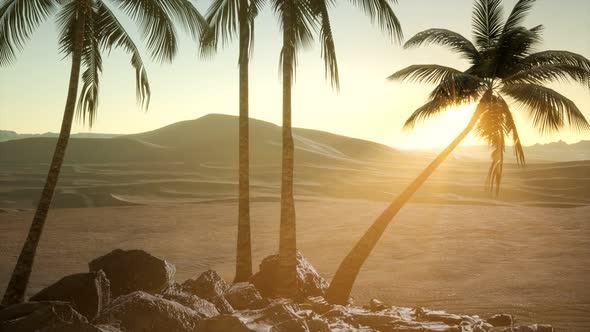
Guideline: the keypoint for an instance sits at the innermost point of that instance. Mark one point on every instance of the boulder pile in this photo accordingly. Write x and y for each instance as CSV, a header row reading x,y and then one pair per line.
x,y
133,291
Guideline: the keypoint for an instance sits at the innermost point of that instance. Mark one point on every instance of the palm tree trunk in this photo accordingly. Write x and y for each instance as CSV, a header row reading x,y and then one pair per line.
x,y
244,246
288,235
341,285
15,292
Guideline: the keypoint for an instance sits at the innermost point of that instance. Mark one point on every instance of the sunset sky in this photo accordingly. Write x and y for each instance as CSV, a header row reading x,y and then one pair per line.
x,y
33,90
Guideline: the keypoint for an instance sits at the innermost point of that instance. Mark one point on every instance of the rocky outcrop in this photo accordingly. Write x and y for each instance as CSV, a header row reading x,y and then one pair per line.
x,y
80,327
38,316
208,285
88,293
211,287
309,282
209,304
278,316
244,295
531,328
201,306
134,270
142,312
501,320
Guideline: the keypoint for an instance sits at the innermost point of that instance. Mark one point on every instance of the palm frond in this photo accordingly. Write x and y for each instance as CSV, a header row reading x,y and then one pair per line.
x,y
456,90
447,38
550,111
185,14
487,22
328,49
512,47
222,18
381,11
253,9
518,14
298,22
494,126
111,34
92,62
550,73
553,57
18,21
156,26
67,21
429,74
512,129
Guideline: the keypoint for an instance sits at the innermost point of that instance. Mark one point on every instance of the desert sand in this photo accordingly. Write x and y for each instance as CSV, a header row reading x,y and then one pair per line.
x,y
475,259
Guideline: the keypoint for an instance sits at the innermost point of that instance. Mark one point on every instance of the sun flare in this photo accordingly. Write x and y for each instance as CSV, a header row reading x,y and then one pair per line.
x,y
440,130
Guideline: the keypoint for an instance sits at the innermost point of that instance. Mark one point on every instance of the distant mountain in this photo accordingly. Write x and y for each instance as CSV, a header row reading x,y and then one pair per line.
x,y
195,161
550,152
210,139
7,135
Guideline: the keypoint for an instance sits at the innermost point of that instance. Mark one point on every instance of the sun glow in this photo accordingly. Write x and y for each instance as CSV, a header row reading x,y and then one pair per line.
x,y
438,131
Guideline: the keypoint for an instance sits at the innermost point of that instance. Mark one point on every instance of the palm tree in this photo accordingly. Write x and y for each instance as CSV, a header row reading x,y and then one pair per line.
x,y
503,65
224,18
298,19
86,29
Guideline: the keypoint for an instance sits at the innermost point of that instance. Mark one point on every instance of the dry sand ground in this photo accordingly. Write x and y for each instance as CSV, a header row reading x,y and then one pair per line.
x,y
531,262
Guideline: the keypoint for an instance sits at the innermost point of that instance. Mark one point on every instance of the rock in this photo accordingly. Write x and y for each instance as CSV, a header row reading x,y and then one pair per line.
x,y
277,317
140,311
209,286
134,270
244,295
520,329
544,328
222,305
535,328
317,325
35,316
291,325
309,282
201,306
223,323
372,320
501,320
438,316
80,327
336,314
317,304
376,305
88,293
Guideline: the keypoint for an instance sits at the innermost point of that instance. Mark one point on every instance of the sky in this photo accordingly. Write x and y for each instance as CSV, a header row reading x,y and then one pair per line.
x,y
33,90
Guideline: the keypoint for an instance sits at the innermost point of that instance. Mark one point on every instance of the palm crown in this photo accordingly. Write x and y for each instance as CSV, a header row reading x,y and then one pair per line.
x,y
102,32
308,16
503,67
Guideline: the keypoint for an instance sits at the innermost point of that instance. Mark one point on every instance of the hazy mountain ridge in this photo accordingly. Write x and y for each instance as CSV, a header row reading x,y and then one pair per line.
x,y
211,139
222,129
9,135
196,160
550,152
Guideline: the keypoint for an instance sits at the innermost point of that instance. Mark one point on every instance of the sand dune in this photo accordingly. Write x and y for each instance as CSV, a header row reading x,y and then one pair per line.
x,y
172,191
464,258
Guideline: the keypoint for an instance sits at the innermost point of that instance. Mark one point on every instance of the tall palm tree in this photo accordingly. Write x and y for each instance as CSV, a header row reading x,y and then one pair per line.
x,y
503,65
224,18
87,28
298,20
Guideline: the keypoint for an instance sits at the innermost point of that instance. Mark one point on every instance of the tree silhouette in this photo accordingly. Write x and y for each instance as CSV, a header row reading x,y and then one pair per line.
x,y
503,66
87,28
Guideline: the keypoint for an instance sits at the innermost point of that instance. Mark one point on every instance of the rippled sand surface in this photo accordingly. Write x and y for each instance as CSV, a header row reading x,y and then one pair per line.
x,y
531,262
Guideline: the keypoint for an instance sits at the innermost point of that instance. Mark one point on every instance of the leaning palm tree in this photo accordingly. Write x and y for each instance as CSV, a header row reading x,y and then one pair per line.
x,y
298,19
503,66
87,28
224,18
